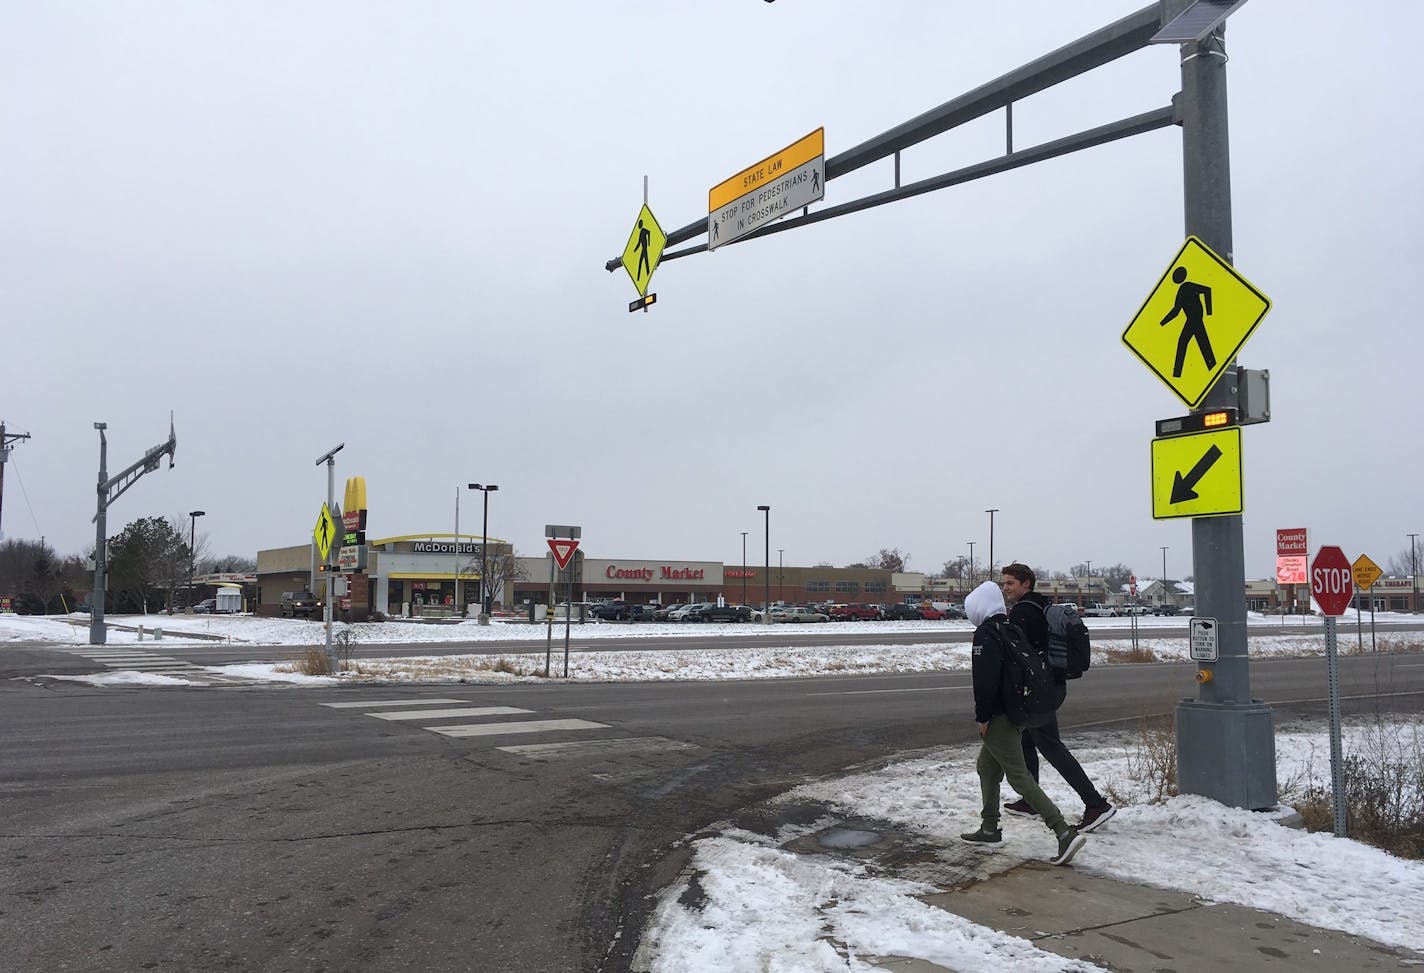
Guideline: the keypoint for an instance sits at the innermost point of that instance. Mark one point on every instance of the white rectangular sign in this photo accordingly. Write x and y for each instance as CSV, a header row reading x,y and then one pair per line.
x,y
1202,640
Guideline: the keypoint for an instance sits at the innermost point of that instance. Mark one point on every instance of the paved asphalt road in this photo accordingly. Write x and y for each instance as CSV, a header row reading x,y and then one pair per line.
x,y
262,829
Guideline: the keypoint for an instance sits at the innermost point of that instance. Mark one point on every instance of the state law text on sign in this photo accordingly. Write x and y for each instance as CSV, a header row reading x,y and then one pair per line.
x,y
777,185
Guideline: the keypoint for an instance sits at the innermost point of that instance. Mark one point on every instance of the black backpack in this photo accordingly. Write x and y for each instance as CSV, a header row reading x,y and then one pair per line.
x,y
1030,692
1070,650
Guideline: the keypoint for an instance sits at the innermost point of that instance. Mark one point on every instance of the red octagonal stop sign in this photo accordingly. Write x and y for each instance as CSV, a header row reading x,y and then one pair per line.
x,y
1332,581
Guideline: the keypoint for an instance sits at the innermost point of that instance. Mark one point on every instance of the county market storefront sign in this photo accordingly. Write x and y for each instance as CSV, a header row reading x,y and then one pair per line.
x,y
661,572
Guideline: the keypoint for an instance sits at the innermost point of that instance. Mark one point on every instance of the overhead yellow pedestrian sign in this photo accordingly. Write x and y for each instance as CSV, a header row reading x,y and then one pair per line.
x,y
644,250
1197,475
1195,321
324,533
1366,572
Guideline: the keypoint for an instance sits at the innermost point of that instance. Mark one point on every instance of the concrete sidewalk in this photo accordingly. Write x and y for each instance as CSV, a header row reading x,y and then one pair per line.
x,y
1137,929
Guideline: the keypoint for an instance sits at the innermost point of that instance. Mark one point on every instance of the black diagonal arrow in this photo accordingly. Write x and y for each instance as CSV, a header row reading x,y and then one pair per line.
x,y
1184,487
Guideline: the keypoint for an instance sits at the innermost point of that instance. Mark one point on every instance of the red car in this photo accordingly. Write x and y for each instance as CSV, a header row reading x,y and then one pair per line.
x,y
930,614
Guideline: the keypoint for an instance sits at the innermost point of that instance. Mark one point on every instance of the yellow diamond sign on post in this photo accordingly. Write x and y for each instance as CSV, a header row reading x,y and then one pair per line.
x,y
1197,475
1366,572
644,250
1195,321
324,533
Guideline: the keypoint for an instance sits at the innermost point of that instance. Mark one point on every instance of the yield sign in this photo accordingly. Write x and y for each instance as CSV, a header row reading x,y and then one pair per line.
x,y
563,551
1195,321
1366,572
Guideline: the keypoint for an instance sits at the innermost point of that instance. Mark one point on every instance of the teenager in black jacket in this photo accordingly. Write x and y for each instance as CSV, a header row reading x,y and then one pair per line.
x,y
1001,753
1027,611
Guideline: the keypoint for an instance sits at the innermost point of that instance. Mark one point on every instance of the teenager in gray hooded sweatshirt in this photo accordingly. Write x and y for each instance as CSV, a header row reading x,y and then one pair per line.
x,y
1001,754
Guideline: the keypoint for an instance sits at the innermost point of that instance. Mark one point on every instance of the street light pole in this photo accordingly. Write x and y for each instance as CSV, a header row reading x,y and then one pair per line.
x,y
989,569
744,567
329,458
971,561
1413,571
1164,575
780,580
487,489
193,516
459,606
766,603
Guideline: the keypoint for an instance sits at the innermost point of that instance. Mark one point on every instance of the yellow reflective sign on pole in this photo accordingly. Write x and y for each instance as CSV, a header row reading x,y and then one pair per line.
x,y
324,533
1195,321
1197,475
644,250
1366,572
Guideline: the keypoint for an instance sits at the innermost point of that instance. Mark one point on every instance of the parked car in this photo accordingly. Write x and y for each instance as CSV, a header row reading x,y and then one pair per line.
x,y
206,607
681,612
722,613
854,613
613,611
932,614
1165,610
796,614
641,613
300,604
955,611
662,612
900,613
1098,609
1187,610
1135,609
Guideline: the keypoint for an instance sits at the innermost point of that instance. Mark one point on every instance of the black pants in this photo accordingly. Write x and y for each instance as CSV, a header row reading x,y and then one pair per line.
x,y
1045,739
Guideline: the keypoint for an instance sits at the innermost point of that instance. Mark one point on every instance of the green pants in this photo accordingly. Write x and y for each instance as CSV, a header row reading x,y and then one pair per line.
x,y
1000,756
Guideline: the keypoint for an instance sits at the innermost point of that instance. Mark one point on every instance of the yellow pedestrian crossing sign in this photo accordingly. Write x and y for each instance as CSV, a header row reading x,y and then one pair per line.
x,y
1197,475
644,250
1195,321
324,533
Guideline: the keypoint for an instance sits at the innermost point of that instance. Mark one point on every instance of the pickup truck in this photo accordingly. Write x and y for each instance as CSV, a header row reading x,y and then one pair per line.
x,y
1097,609
854,613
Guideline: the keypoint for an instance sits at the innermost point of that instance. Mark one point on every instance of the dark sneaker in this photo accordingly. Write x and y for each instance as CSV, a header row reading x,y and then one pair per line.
x,y
1022,808
1068,844
983,837
1095,817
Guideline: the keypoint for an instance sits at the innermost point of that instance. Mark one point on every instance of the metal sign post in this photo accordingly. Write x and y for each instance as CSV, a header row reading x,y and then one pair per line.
x,y
1337,757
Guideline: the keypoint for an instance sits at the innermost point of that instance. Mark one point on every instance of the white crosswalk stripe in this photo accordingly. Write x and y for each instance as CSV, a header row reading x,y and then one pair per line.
x,y
419,710
132,660
445,714
523,726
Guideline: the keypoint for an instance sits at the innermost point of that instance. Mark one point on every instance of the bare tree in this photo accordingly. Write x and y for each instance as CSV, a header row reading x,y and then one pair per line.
x,y
957,569
1403,564
889,559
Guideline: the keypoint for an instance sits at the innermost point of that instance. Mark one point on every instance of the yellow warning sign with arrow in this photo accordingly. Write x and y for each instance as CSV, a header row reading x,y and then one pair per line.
x,y
1197,475
1195,321
644,250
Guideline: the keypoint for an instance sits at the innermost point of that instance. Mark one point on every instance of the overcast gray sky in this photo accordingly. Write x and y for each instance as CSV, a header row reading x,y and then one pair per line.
x,y
296,224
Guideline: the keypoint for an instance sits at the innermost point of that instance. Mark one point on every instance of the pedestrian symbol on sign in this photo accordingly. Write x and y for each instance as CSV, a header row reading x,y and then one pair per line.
x,y
1194,305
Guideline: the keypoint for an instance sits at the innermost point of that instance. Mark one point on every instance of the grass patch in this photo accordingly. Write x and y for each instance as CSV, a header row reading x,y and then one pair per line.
x,y
1140,653
1151,764
1384,791
314,663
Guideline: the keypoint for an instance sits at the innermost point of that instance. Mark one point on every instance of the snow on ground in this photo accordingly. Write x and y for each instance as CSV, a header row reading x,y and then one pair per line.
x,y
74,629
1112,643
762,905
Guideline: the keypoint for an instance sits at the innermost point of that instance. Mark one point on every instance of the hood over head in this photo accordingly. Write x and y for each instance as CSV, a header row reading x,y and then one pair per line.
x,y
984,602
